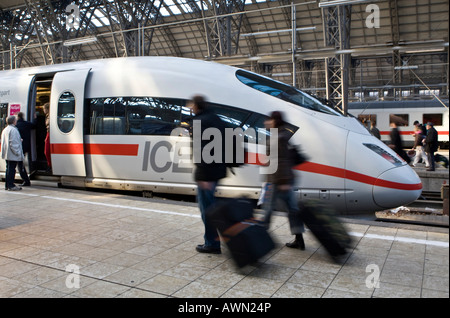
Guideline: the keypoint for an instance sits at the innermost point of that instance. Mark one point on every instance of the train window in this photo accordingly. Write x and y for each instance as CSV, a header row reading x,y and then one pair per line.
x,y
66,112
284,92
367,119
159,116
134,115
436,119
3,112
256,122
233,117
384,154
399,119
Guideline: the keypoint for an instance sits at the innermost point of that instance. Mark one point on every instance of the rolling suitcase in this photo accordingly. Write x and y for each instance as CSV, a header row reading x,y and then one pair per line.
x,y
246,239
326,227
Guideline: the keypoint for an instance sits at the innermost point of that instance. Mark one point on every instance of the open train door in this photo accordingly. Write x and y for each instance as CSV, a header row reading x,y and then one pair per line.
x,y
66,123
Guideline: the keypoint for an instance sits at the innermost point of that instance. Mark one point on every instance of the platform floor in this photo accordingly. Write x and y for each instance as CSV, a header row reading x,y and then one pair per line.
x,y
126,246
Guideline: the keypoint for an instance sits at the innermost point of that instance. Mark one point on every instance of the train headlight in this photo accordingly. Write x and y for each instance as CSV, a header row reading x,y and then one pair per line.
x,y
383,153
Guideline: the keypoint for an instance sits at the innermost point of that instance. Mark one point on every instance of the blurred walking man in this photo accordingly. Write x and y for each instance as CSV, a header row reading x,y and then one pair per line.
x,y
207,173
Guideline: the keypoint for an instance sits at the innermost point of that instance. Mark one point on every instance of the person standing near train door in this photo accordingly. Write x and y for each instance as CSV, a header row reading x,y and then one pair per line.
x,y
207,173
25,128
47,150
12,153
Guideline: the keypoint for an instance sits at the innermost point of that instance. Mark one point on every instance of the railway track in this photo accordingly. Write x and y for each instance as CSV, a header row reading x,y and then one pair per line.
x,y
427,210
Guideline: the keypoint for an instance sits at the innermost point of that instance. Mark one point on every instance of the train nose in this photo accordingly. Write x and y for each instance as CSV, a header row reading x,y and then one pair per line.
x,y
397,186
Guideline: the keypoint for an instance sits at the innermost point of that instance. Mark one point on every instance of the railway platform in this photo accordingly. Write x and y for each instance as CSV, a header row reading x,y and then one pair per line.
x,y
71,243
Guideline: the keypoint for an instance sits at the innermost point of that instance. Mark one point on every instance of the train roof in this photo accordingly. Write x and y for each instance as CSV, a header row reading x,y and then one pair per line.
x,y
156,62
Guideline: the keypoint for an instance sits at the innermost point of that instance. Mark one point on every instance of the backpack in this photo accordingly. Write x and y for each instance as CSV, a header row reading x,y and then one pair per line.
x,y
296,155
441,160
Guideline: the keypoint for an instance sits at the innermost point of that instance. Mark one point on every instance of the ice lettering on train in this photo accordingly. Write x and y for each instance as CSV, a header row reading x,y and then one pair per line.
x,y
151,154
211,152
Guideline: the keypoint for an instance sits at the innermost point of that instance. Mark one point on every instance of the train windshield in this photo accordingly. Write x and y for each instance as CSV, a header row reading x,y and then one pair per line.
x,y
284,92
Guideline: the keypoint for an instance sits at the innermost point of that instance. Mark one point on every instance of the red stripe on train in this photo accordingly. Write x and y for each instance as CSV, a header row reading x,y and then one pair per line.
x,y
95,149
355,176
317,168
251,158
384,132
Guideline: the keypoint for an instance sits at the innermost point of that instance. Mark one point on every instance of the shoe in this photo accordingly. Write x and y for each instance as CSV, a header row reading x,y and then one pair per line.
x,y
298,243
207,249
26,184
15,188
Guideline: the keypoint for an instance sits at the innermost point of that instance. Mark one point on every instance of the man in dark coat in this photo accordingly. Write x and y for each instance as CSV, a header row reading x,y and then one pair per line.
x,y
25,128
396,142
209,166
374,130
431,145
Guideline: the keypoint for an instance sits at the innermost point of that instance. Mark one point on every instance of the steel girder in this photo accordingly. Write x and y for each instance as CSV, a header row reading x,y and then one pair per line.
x,y
336,28
222,33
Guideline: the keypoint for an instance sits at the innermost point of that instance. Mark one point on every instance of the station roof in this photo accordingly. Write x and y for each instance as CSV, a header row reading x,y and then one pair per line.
x,y
417,30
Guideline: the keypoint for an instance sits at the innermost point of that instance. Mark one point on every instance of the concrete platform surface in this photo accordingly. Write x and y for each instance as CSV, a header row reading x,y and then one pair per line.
x,y
73,243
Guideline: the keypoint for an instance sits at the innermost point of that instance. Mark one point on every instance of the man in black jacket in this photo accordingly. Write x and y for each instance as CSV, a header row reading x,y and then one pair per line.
x,y
397,143
431,144
25,128
209,166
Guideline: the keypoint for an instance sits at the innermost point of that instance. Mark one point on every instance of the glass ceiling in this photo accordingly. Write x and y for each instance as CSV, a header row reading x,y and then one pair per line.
x,y
167,8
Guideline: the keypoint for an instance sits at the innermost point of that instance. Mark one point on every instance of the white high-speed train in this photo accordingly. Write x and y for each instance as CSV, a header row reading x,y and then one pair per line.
x,y
111,119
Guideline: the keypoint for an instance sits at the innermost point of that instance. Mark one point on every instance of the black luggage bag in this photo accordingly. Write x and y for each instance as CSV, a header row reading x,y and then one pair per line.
x,y
322,220
244,236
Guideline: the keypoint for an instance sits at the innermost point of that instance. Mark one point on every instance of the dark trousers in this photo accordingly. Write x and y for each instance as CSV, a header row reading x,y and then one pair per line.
x,y
11,173
288,197
431,160
206,198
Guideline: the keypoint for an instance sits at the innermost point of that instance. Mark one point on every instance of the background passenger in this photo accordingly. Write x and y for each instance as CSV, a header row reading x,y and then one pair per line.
x,y
374,130
431,145
420,153
47,150
397,143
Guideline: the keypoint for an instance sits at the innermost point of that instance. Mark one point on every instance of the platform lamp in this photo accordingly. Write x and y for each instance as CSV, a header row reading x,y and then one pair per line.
x,y
78,41
341,3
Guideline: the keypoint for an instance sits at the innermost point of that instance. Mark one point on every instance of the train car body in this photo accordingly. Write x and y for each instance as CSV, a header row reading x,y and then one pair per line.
x,y
407,112
110,124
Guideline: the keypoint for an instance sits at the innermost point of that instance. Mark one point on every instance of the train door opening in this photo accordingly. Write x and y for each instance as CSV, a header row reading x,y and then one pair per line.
x,y
40,95
67,123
